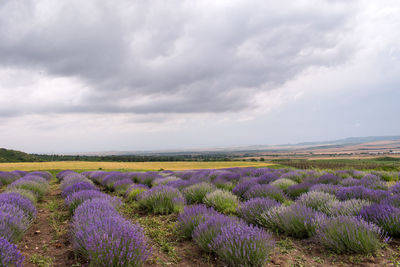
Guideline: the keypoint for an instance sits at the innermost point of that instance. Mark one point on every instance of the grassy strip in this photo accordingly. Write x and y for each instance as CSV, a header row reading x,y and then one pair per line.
x,y
159,228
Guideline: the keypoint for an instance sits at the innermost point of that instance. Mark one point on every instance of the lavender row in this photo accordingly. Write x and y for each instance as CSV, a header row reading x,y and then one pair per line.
x,y
17,210
100,233
304,204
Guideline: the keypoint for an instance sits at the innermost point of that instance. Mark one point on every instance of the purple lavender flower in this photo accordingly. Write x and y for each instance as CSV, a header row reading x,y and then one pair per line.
x,y
122,185
61,174
239,244
373,182
13,222
361,192
77,186
227,176
395,189
393,200
350,182
74,200
191,217
45,175
252,209
147,178
294,191
9,254
19,173
111,178
242,187
327,179
25,193
71,179
97,176
181,184
350,234
207,230
33,178
267,178
22,202
265,190
383,215
107,239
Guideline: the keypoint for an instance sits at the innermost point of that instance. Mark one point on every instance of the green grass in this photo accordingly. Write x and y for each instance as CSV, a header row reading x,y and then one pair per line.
x,y
159,228
41,261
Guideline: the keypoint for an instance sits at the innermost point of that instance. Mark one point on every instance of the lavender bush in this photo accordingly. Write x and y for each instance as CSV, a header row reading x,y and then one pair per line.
x,y
106,238
252,209
294,191
77,186
296,220
283,183
383,215
239,244
361,192
25,193
208,230
350,207
39,189
44,174
134,190
74,200
222,201
195,194
9,254
327,188
7,177
13,222
319,201
241,188
191,217
265,190
21,202
161,200
346,234
121,186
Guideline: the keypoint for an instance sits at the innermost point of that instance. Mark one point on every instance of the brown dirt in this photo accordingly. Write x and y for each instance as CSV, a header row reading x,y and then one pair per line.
x,y
42,239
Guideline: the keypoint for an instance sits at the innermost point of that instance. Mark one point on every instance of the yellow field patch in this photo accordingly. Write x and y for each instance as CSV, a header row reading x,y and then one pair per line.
x,y
84,165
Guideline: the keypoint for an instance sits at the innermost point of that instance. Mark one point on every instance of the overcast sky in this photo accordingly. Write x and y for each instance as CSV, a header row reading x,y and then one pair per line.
x,y
78,76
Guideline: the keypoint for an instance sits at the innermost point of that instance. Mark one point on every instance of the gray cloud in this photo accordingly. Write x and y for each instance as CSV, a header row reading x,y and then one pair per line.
x,y
182,57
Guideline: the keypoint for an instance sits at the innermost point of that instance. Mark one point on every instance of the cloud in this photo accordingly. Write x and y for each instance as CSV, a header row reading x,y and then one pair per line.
x,y
145,57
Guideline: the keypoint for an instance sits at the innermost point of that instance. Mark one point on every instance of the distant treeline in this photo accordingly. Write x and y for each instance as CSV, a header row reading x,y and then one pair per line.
x,y
135,158
8,155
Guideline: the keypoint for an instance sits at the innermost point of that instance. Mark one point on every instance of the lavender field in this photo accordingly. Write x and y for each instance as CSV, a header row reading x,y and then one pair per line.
x,y
229,217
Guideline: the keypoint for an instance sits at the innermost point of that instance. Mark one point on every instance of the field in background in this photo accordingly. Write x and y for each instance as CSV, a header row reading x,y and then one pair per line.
x,y
148,166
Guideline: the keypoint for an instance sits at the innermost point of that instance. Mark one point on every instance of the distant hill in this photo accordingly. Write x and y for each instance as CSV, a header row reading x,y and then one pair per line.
x,y
353,140
8,155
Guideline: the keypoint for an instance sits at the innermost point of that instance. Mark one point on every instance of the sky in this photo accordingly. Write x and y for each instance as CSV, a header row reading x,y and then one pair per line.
x,y
129,75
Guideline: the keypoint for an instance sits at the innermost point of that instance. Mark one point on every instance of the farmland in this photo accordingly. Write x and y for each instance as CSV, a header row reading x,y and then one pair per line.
x,y
206,217
148,166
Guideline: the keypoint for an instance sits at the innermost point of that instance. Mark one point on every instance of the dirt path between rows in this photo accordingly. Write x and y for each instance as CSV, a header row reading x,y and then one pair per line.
x,y
46,243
